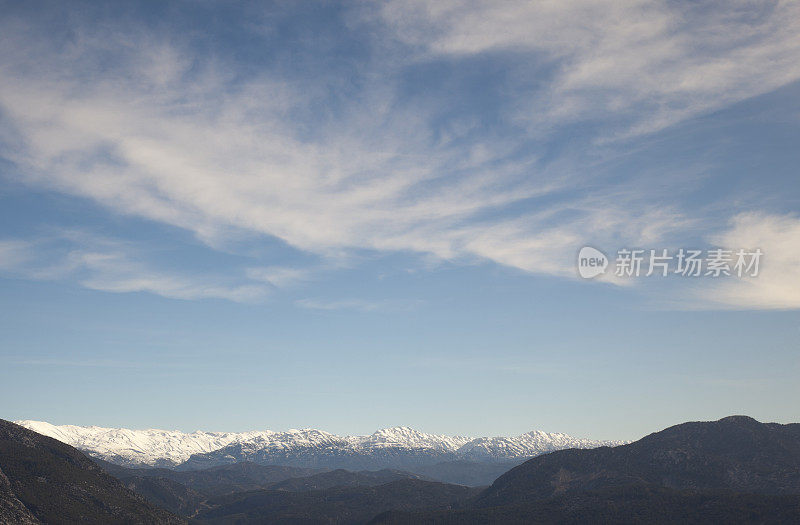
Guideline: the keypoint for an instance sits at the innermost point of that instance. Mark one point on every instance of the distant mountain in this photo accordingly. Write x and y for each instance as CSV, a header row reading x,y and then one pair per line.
x,y
469,473
215,481
45,481
339,505
153,448
344,478
735,470
735,453
189,493
399,447
527,445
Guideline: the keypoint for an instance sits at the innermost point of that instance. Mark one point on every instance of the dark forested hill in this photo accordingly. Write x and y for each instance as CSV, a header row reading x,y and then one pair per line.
x,y
735,470
339,505
44,480
344,478
215,481
735,453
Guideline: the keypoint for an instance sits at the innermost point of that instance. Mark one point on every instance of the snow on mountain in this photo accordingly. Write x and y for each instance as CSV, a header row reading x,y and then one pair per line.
x,y
405,437
527,445
307,438
139,447
386,447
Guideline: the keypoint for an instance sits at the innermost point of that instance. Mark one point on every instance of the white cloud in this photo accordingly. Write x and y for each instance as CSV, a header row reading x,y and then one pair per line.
x,y
111,273
777,286
280,276
376,180
103,264
645,64
14,254
161,133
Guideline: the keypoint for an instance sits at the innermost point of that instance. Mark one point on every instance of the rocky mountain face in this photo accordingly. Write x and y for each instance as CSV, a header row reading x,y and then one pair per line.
x,y
43,480
12,510
399,447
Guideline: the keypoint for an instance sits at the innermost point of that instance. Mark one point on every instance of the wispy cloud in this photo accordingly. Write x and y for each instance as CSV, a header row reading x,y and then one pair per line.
x,y
14,254
149,126
105,264
280,276
377,179
641,65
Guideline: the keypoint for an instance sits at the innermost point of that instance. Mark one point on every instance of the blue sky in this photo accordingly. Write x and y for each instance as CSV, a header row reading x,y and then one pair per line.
x,y
352,216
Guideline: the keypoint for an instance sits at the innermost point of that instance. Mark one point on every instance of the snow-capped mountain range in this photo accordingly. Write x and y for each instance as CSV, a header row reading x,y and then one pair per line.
x,y
390,447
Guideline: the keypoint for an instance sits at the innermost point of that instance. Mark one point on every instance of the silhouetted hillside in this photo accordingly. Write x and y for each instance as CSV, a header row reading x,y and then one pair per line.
x,y
44,480
736,453
636,503
735,470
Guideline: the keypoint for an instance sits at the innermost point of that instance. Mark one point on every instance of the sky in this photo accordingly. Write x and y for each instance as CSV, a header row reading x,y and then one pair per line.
x,y
358,215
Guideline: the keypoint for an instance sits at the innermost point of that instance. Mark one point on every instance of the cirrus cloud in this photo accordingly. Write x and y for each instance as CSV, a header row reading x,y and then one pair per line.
x,y
344,160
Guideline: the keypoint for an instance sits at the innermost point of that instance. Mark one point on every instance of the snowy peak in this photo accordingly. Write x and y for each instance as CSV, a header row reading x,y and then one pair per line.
x,y
408,438
154,447
292,439
527,445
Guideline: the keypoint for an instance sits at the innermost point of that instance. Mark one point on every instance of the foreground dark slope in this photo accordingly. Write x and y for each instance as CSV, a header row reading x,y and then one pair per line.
x,y
735,470
44,480
736,453
631,504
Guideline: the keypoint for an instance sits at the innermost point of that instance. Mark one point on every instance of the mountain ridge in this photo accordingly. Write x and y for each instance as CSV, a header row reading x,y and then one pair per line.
x,y
392,447
733,453
733,470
